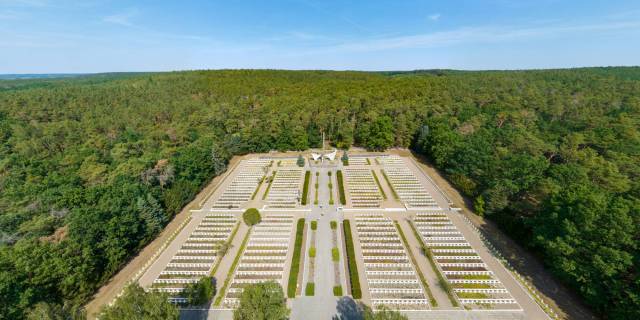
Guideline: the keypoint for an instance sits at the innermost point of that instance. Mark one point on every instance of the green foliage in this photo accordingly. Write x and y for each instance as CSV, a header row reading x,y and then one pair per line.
x,y
335,254
314,225
310,289
354,279
251,216
137,304
262,301
292,285
77,155
300,161
312,252
337,291
343,198
345,158
382,314
377,135
333,224
201,292
305,188
478,205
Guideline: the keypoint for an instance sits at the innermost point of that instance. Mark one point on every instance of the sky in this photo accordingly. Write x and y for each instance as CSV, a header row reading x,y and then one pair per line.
x,y
66,36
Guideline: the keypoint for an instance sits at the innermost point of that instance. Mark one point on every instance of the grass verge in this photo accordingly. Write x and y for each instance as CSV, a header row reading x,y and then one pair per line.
x,y
219,260
227,280
395,195
375,176
266,192
295,261
354,279
432,299
441,280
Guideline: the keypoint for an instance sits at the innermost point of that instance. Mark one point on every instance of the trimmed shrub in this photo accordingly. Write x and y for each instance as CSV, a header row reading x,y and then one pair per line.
x,y
251,217
312,252
354,280
314,225
343,199
337,291
333,224
295,261
300,161
305,188
335,254
310,289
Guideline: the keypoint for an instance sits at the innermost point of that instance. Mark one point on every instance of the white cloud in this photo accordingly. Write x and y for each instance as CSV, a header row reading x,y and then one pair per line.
x,y
434,17
123,18
482,34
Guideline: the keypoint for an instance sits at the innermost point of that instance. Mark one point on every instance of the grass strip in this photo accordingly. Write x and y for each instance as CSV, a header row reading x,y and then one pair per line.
x,y
441,280
253,196
432,299
305,188
395,195
219,260
266,192
354,279
343,199
375,176
227,280
295,260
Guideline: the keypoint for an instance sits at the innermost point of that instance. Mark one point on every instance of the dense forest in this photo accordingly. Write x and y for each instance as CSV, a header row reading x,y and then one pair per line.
x,y
92,168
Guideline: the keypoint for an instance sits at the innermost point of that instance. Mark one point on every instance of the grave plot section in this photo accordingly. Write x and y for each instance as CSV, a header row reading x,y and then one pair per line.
x,y
390,160
359,161
474,285
198,254
391,277
285,189
362,188
288,162
250,174
264,257
407,186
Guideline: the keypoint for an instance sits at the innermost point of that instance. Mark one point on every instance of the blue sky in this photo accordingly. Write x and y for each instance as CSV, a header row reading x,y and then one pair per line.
x,y
51,36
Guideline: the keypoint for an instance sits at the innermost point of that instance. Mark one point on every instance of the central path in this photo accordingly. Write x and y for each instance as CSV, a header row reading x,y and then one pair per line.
x,y
323,304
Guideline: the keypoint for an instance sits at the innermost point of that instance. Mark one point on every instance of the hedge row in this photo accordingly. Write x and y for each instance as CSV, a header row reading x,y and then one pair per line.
x,y
343,200
356,292
305,188
295,261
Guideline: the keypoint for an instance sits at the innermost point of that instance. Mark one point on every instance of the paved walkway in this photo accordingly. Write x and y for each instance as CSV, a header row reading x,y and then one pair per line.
x,y
425,267
323,304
